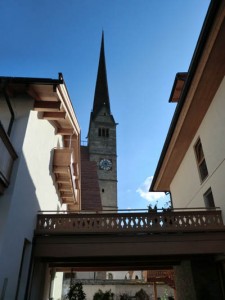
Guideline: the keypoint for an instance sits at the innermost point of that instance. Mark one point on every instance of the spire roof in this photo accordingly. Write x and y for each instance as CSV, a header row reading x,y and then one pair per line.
x,y
101,98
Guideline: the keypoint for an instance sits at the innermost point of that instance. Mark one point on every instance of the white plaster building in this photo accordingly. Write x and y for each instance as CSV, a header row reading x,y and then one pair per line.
x,y
192,163
39,168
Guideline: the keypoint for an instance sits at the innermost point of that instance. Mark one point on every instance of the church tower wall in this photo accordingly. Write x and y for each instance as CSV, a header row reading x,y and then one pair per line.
x,y
102,138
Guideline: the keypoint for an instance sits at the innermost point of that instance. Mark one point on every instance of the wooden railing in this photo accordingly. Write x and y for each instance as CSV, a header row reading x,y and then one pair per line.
x,y
133,222
7,157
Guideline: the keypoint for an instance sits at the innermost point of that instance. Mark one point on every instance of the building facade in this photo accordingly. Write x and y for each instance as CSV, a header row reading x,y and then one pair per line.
x,y
39,167
44,168
192,163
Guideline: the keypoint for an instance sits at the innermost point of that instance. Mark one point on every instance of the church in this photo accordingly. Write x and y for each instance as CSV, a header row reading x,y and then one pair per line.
x,y
100,155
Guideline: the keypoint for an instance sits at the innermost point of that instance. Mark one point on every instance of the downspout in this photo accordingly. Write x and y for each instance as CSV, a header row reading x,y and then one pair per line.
x,y
11,111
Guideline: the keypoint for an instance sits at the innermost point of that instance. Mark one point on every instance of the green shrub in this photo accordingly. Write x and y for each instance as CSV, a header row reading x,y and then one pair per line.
x,y
142,295
76,292
124,297
100,295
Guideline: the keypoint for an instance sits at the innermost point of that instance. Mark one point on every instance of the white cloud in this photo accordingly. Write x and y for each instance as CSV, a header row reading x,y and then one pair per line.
x,y
143,191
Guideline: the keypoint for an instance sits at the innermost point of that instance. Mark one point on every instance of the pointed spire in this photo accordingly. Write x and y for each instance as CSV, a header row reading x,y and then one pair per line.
x,y
101,97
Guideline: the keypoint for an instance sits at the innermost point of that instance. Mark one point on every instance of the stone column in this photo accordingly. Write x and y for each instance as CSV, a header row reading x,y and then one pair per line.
x,y
184,282
38,279
206,278
198,279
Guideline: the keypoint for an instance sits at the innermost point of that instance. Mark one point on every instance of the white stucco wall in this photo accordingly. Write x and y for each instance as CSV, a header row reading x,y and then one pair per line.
x,y
40,140
131,290
31,189
186,187
119,289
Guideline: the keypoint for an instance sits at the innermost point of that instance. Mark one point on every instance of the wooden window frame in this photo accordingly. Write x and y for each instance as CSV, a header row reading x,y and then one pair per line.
x,y
209,199
200,160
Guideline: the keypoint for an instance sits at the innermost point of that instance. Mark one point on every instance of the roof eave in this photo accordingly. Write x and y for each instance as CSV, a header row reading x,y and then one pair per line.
x,y
32,80
207,25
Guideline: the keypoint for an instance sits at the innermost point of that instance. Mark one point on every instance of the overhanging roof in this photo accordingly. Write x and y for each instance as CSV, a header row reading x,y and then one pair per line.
x,y
178,87
51,97
52,103
205,74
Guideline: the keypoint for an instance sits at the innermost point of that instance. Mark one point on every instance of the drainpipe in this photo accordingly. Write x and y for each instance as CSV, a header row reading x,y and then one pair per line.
x,y
11,111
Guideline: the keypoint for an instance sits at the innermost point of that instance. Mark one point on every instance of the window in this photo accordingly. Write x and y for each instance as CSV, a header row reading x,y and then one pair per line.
x,y
102,131
200,158
208,198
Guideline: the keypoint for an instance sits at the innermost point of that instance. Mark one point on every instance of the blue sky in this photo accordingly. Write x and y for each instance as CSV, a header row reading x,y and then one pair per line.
x,y
146,43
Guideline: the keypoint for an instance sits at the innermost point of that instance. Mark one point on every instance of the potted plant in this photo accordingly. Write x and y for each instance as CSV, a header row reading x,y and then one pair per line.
x,y
142,295
76,292
124,297
152,208
100,295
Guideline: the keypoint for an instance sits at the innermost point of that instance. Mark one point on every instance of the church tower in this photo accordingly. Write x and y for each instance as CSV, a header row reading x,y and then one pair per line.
x,y
102,138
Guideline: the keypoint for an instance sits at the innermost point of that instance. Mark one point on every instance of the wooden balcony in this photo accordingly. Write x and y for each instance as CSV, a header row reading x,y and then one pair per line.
x,y
65,171
196,220
7,157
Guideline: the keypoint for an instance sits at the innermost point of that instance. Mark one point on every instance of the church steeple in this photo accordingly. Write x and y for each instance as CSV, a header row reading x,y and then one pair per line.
x,y
102,138
101,97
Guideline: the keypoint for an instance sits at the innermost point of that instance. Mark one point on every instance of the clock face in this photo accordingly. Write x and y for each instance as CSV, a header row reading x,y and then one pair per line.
x,y
105,164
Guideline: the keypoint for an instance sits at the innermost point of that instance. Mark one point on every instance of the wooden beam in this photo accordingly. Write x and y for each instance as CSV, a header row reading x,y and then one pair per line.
x,y
75,169
73,207
66,194
77,183
33,93
65,131
47,106
54,115
60,178
60,169
71,138
67,200
65,187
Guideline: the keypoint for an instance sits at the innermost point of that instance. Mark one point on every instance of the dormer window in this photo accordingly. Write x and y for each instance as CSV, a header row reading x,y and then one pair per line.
x,y
104,132
200,158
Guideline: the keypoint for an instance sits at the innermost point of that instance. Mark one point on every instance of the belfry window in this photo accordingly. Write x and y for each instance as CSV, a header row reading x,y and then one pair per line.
x,y
103,131
200,158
